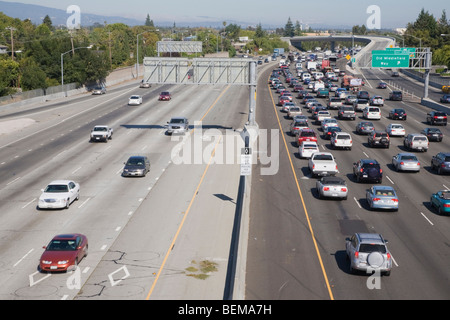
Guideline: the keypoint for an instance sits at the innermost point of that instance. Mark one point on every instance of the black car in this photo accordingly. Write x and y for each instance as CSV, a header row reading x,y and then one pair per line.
x,y
396,96
382,85
329,131
397,114
433,134
367,170
445,98
437,117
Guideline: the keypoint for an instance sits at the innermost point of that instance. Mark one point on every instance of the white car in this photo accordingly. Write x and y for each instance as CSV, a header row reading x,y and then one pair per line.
x,y
372,113
59,194
307,148
395,129
135,100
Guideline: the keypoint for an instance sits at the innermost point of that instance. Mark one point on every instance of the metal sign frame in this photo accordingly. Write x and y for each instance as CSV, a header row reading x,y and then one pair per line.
x,y
179,46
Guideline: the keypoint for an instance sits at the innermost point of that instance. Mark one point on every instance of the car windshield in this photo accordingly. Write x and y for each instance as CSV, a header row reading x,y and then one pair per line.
x,y
384,192
134,97
57,188
100,129
135,162
62,245
369,247
343,136
445,195
177,121
164,93
420,139
308,134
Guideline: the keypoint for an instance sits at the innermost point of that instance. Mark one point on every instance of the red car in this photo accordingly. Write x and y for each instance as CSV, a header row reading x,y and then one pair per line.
x,y
165,96
64,252
306,135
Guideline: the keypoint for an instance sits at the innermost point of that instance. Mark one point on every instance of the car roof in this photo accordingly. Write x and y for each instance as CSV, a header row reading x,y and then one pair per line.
x,y
371,238
66,236
60,181
369,161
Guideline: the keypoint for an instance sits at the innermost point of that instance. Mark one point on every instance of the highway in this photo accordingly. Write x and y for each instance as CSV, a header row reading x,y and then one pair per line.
x,y
140,230
297,242
150,236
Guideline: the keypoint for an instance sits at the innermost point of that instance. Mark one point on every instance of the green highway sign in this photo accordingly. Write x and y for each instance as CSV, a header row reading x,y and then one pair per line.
x,y
385,60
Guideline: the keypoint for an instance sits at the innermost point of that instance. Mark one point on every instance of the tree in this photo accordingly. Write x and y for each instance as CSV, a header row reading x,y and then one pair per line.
x,y
259,32
32,76
48,22
148,21
289,29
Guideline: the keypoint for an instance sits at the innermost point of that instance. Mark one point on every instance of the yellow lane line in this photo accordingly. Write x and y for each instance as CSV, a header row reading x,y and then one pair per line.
x,y
303,202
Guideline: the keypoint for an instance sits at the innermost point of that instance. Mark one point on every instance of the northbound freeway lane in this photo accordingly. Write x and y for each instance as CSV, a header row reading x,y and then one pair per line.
x,y
297,241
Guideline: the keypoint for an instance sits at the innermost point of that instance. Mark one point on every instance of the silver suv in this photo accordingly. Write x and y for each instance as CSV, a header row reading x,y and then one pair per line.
x,y
416,141
368,252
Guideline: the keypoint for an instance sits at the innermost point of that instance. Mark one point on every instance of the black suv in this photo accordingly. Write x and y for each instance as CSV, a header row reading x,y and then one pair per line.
x,y
378,138
396,96
397,114
367,170
437,117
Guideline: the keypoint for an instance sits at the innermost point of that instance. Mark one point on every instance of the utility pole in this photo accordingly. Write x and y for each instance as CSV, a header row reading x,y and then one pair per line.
x,y
12,40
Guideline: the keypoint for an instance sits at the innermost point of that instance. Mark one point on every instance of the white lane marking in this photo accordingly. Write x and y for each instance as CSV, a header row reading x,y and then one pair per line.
x,y
27,204
357,203
13,181
390,180
23,257
84,203
426,218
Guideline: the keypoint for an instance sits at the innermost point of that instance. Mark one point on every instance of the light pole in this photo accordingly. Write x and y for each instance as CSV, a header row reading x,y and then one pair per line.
x,y
62,62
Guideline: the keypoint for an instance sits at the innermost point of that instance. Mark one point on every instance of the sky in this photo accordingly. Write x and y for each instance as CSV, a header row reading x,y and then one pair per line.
x,y
391,14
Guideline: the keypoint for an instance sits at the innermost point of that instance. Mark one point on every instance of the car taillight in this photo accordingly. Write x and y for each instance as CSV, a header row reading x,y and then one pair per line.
x,y
402,163
343,189
326,189
395,200
388,256
356,254
376,199
447,205
361,170
381,170
418,163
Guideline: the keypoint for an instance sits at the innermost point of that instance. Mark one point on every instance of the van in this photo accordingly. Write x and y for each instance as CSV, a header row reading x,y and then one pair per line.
x,y
306,76
416,141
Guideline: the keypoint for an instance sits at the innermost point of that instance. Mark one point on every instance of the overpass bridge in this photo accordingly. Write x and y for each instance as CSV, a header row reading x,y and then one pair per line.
x,y
363,58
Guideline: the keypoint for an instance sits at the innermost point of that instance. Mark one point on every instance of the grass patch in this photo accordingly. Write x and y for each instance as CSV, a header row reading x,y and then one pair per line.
x,y
201,270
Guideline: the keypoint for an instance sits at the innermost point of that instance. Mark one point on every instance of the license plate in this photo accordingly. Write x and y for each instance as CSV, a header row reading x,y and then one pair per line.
x,y
53,267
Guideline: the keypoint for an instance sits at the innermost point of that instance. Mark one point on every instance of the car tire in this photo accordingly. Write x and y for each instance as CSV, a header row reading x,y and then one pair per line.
x,y
67,204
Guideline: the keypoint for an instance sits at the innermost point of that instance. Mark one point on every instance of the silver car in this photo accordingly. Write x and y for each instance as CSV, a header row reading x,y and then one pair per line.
x,y
382,197
406,162
177,125
368,252
332,187
99,90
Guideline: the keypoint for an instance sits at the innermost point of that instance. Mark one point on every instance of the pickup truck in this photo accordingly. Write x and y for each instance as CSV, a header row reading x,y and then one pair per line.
x,y
101,133
322,164
322,114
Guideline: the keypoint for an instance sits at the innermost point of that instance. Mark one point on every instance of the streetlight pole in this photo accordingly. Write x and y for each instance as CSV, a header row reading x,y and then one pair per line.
x,y
12,40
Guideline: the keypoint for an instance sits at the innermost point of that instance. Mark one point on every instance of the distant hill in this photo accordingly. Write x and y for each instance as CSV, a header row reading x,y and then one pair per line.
x,y
59,17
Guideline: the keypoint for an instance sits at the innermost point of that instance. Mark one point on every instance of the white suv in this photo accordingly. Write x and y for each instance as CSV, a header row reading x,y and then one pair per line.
x,y
341,140
372,113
